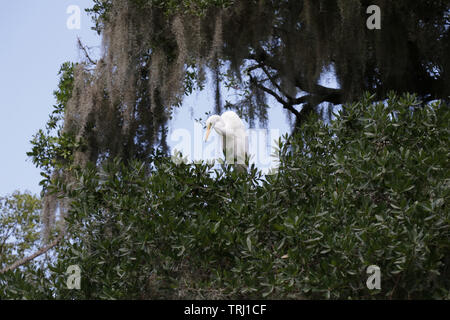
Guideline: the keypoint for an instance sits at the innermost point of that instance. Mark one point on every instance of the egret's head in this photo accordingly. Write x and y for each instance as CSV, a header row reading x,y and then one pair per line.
x,y
210,123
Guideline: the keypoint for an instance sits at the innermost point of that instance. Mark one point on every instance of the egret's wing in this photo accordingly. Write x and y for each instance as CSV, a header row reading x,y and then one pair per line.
x,y
235,140
242,152
229,147
232,121
241,144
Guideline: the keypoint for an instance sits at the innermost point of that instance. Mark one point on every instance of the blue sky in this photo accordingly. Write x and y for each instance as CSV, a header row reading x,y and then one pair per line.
x,y
35,42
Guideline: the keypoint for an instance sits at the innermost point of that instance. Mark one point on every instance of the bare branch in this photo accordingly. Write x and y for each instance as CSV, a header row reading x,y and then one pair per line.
x,y
320,92
274,83
285,104
267,90
84,49
34,255
317,92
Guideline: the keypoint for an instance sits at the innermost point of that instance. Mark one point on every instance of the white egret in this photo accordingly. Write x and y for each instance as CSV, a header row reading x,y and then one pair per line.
x,y
234,136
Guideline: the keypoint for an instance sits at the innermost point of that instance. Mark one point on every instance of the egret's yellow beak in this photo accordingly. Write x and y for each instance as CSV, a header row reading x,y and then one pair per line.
x,y
208,131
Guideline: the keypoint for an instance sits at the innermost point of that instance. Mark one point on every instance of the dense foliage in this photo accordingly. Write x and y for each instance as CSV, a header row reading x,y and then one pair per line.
x,y
20,227
369,188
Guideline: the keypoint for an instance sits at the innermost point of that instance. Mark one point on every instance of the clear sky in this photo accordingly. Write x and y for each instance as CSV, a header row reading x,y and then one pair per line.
x,y
35,42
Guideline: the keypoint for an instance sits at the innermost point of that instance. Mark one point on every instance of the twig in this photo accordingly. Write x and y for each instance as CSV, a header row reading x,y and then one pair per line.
x,y
395,286
82,47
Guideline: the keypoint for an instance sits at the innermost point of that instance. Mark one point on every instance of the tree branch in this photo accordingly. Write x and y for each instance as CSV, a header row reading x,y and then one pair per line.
x,y
317,92
320,93
82,47
33,256
274,83
285,104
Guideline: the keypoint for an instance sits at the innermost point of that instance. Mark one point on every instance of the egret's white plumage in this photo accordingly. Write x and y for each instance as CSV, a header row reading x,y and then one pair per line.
x,y
234,136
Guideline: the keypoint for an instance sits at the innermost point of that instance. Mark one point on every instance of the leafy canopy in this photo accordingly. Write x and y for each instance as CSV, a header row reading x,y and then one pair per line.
x,y
372,187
